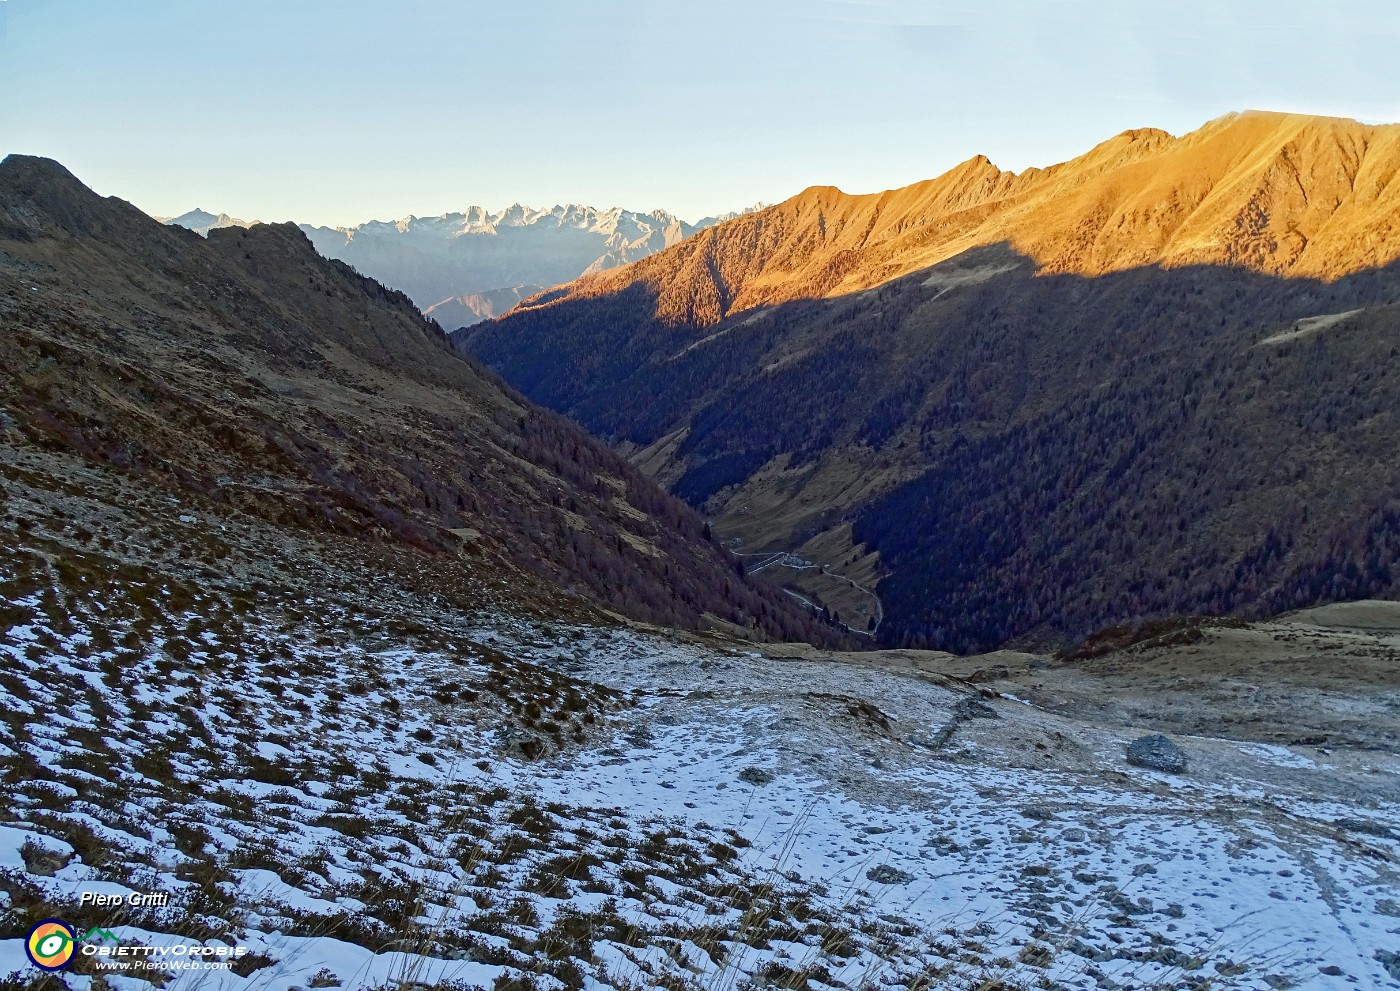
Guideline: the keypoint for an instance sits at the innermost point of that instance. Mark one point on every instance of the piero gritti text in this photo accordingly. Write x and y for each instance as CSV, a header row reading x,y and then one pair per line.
x,y
134,899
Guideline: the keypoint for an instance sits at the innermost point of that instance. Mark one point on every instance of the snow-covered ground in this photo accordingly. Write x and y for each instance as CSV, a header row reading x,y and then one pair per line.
x,y
1032,826
488,801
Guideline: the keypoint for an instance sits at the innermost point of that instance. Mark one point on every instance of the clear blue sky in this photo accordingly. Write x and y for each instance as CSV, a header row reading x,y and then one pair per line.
x,y
339,111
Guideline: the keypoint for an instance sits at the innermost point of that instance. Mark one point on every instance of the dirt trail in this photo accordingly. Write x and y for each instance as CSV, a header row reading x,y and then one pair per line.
x,y
789,561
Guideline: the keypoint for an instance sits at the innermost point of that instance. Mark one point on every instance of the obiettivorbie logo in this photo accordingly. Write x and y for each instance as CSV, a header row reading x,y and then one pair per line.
x,y
52,943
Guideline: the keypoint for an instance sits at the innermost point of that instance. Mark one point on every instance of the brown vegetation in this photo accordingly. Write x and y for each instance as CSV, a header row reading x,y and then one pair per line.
x,y
250,372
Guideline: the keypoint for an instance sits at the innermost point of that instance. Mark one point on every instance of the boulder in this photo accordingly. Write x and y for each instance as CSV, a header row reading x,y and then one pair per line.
x,y
1157,753
996,672
971,708
756,775
1391,963
885,874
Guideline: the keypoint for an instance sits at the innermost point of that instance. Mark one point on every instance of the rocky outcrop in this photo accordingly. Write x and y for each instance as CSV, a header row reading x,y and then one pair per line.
x,y
1157,753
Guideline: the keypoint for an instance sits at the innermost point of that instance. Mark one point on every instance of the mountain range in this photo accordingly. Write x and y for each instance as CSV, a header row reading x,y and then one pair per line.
x,y
390,678
461,268
462,311
246,372
439,260
1158,378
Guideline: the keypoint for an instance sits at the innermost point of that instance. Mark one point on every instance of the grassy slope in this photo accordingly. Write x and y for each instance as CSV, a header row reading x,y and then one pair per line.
x,y
249,370
374,785
317,767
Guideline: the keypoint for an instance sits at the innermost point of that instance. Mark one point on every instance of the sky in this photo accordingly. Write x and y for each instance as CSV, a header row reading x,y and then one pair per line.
x,y
341,111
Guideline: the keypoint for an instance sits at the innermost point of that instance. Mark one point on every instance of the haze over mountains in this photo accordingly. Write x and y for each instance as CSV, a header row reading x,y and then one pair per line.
x,y
202,221
433,259
437,261
462,311
1158,378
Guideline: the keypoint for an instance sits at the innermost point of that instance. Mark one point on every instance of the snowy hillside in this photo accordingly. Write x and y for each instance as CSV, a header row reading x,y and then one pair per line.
x,y
362,787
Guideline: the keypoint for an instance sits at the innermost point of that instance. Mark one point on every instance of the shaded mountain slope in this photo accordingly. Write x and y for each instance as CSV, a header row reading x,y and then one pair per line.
x,y
1024,443
251,372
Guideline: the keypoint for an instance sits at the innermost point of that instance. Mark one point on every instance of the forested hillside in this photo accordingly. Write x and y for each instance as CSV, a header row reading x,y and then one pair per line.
x,y
1034,451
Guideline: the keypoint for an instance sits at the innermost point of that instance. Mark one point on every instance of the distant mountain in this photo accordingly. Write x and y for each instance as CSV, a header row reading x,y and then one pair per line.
x,y
1158,378
462,311
438,259
285,390
723,217
202,221
463,266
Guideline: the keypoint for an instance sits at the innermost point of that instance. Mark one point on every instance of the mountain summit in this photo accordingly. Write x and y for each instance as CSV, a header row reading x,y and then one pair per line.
x,y
202,221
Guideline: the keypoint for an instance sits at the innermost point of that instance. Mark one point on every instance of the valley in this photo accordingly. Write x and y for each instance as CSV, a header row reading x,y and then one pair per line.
x,y
975,566
244,368
850,602
1037,403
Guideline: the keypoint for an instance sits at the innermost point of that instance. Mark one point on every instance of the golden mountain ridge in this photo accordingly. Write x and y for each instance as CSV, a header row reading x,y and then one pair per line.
x,y
1284,194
